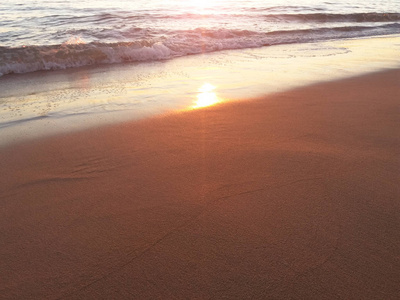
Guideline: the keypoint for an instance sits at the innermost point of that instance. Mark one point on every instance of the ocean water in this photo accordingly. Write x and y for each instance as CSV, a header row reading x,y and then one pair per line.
x,y
71,65
53,34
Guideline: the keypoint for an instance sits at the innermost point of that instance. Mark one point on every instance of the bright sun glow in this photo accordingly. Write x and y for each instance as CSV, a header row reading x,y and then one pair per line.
x,y
206,96
200,3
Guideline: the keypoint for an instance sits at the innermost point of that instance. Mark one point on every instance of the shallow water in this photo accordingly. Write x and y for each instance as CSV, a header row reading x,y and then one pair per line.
x,y
43,103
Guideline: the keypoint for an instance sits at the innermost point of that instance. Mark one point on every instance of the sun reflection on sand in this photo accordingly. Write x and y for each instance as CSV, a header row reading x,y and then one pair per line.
x,y
206,96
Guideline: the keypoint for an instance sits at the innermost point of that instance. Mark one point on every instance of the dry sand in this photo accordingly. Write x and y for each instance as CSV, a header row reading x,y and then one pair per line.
x,y
293,196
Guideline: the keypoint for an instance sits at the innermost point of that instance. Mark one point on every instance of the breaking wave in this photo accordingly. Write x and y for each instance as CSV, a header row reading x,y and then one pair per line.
x,y
76,53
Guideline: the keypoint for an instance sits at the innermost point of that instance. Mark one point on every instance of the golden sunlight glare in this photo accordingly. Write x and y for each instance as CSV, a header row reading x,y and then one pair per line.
x,y
200,3
206,96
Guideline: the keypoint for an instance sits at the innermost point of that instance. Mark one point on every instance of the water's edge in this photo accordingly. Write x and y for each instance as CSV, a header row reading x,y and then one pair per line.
x,y
40,104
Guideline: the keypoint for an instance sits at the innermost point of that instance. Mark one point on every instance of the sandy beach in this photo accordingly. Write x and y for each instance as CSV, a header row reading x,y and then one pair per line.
x,y
291,196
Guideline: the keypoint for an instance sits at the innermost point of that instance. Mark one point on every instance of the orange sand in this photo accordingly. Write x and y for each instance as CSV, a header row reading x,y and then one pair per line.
x,y
294,196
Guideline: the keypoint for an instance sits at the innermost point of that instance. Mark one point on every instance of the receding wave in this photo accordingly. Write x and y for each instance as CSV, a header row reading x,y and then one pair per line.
x,y
180,43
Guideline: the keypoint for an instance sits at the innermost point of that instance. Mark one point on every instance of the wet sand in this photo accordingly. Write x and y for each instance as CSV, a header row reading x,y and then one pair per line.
x,y
292,196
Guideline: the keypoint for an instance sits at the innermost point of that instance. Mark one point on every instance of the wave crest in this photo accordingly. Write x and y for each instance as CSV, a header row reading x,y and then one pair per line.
x,y
325,18
75,53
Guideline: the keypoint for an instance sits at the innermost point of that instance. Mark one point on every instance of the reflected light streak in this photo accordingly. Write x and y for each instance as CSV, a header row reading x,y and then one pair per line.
x,y
206,96
201,4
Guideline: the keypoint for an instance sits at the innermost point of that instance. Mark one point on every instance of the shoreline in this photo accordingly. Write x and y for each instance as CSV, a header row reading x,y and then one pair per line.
x,y
293,195
37,105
